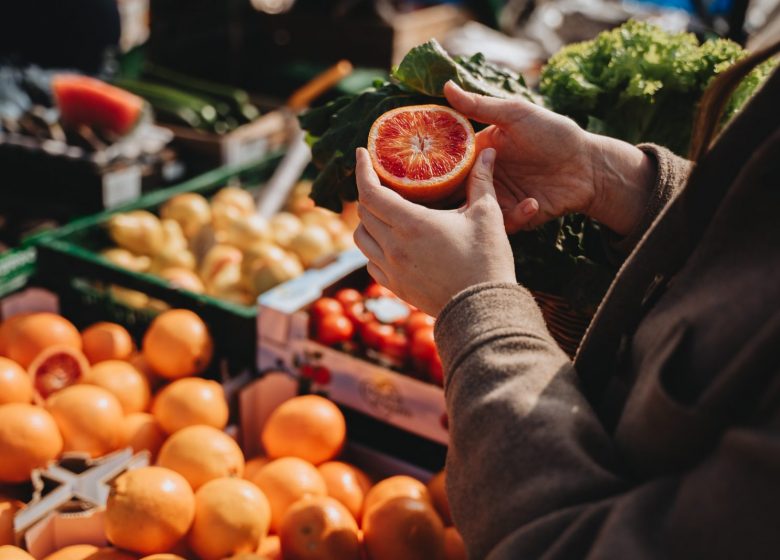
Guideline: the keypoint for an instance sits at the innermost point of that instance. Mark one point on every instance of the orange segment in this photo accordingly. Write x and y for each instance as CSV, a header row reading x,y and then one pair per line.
x,y
424,152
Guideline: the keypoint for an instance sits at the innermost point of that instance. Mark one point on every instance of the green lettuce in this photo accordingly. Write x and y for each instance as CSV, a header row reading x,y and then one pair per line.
x,y
640,83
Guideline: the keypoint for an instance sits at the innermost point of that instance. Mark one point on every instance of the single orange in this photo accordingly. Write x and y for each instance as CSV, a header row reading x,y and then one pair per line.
x,y
454,548
405,528
15,384
190,401
124,381
346,483
8,552
107,341
57,367
319,528
309,427
8,509
88,417
29,439
423,152
231,516
178,344
285,481
438,491
149,510
163,556
200,454
394,487
141,431
31,334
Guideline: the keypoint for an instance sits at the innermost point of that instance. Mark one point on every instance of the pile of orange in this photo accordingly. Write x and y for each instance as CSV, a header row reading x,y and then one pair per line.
x,y
91,392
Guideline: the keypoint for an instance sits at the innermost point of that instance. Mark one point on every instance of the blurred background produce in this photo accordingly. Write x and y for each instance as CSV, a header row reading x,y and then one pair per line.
x,y
222,247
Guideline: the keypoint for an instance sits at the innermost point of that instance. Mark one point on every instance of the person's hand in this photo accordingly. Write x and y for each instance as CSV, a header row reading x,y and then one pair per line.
x,y
547,166
427,256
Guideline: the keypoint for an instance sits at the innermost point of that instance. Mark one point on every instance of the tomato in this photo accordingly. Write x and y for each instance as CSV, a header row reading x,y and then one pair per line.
x,y
436,370
418,320
375,291
395,346
325,306
358,314
321,375
334,329
348,296
374,332
423,347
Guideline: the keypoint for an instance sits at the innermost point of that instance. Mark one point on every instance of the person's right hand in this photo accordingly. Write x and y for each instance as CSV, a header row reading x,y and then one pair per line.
x,y
547,166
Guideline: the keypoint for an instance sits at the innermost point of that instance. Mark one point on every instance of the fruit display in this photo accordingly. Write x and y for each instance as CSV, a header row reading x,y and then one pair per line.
x,y
202,499
376,325
222,247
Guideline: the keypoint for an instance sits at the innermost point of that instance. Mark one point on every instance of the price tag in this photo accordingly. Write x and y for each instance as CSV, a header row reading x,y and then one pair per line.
x,y
121,186
238,150
31,300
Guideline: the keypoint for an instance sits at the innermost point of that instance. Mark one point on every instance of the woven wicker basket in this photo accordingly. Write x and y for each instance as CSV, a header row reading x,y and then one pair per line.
x,y
567,325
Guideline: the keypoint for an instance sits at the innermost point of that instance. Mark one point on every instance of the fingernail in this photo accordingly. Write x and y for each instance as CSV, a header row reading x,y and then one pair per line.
x,y
488,156
530,207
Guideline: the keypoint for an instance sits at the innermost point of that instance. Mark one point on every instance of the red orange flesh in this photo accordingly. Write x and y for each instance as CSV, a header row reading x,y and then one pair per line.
x,y
423,152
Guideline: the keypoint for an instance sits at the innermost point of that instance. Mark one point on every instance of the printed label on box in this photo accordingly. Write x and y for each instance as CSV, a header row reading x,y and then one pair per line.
x,y
238,150
402,401
121,186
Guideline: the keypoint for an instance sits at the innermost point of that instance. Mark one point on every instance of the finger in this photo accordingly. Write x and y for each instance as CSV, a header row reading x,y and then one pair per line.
x,y
486,138
384,203
378,229
368,245
489,110
480,183
378,274
522,215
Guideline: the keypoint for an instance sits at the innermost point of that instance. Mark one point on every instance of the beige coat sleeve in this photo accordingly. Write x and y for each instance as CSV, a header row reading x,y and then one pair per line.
x,y
532,474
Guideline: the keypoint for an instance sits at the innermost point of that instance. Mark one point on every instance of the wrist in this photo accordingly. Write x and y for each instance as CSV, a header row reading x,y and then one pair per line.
x,y
623,176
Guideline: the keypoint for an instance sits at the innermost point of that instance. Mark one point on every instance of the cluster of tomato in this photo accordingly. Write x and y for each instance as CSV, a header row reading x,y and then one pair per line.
x,y
346,321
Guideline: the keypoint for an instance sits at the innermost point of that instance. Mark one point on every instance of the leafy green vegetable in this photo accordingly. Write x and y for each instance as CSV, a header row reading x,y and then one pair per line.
x,y
338,128
641,84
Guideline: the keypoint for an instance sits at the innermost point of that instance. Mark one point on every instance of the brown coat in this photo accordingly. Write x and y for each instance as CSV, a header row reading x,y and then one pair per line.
x,y
662,440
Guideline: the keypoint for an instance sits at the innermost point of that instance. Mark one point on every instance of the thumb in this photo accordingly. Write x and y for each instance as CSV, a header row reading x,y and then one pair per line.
x,y
480,183
481,108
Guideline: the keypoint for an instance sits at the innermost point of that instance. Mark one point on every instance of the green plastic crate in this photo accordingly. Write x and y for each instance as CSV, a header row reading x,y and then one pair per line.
x,y
69,264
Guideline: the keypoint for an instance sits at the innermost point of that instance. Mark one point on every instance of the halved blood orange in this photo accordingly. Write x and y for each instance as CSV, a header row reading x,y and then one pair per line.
x,y
57,367
423,152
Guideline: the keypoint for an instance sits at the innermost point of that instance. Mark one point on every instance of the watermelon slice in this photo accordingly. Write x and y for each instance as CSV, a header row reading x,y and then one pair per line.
x,y
85,100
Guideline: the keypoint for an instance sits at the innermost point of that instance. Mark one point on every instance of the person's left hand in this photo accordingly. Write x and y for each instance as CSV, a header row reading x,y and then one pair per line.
x,y
428,256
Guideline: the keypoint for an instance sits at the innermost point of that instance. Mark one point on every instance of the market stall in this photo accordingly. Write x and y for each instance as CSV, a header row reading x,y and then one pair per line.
x,y
196,360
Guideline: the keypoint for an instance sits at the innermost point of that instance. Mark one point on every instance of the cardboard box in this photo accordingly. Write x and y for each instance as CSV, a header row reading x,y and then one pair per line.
x,y
245,144
365,388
